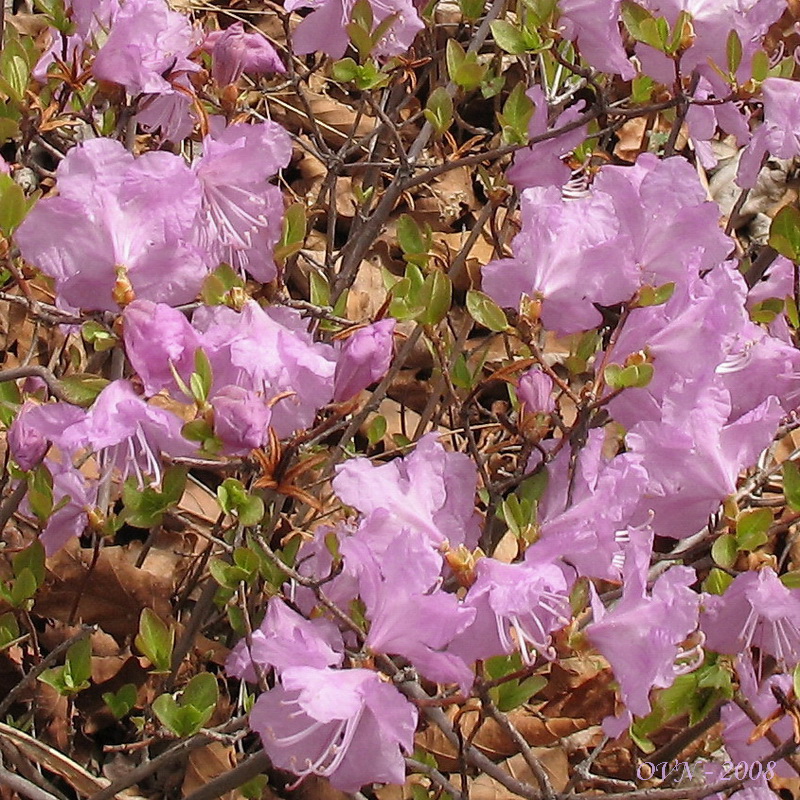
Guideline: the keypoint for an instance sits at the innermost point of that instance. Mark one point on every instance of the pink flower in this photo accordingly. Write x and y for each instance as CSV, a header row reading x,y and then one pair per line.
x,y
541,164
643,655
347,725
530,600
595,25
242,212
363,359
431,492
283,640
234,52
757,610
534,391
324,28
147,41
566,255
119,224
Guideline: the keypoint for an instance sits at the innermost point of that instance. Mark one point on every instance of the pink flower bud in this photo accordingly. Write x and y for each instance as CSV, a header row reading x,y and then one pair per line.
x,y
364,359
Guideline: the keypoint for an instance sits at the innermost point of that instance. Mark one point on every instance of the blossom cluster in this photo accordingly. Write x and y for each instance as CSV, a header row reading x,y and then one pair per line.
x,y
403,585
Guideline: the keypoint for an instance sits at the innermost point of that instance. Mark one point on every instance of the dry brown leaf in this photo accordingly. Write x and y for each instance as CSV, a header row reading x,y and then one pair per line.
x,y
491,740
80,779
111,596
554,761
207,763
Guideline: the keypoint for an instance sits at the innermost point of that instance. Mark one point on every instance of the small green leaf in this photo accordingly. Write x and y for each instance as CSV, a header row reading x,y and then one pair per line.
x,y
641,24
122,702
13,207
760,66
9,629
791,484
635,376
724,551
345,70
155,641
376,430
201,693
33,556
471,9
654,296
455,56
202,377
82,388
733,51
766,311
294,232
439,110
411,238
485,311
508,37
717,581
752,527
78,666
516,115
436,297
791,580
784,233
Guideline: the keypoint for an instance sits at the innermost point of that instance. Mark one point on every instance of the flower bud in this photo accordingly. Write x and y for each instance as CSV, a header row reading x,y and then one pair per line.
x,y
364,358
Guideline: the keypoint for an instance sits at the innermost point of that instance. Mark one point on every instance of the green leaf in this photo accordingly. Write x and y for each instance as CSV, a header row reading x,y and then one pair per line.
x,y
652,296
439,110
508,37
82,388
122,702
14,68
724,550
784,233
455,56
294,232
641,24
13,206
251,512
40,492
512,694
485,311
635,376
766,310
516,115
717,581
752,527
345,70
376,430
760,66
32,557
791,580
155,641
320,289
9,629
78,666
220,286
202,377
471,9
435,297
201,693
411,238
733,51
254,788
791,484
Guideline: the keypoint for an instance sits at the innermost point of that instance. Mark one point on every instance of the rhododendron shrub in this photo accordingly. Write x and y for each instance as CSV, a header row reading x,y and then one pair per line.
x,y
422,384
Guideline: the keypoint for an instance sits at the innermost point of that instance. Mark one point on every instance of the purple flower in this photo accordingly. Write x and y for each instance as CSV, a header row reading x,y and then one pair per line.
x,y
158,339
363,359
534,391
36,426
283,640
73,496
540,164
518,606
739,727
595,25
347,725
566,255
325,28
147,41
409,616
431,492
120,226
643,655
240,419
270,352
234,52
670,226
242,211
693,458
757,610
129,433
779,135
